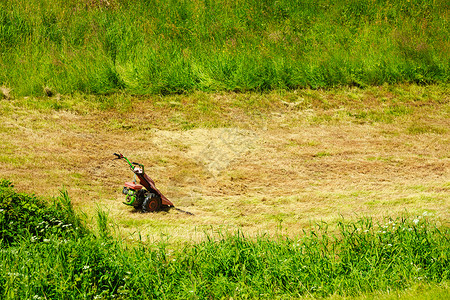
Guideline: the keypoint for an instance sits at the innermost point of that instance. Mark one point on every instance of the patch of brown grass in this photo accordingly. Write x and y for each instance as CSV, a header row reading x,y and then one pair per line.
x,y
5,93
249,161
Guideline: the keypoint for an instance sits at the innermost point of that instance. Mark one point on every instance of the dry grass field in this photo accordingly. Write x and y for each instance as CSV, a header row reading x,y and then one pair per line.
x,y
264,163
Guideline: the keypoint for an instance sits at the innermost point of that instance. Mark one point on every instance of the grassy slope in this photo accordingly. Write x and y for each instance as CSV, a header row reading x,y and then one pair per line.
x,y
377,151
303,156
175,46
325,154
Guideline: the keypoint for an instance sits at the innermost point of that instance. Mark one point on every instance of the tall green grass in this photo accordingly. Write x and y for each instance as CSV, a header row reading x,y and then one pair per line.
x,y
26,217
359,257
153,46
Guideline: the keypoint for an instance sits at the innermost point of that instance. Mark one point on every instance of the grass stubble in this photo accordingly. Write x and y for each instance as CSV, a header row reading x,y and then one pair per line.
x,y
304,156
290,200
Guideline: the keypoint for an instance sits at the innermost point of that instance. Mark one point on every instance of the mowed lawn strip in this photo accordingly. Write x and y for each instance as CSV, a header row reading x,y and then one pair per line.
x,y
258,162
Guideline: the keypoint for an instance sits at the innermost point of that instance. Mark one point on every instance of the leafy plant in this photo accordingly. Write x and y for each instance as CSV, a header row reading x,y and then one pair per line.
x,y
356,257
24,216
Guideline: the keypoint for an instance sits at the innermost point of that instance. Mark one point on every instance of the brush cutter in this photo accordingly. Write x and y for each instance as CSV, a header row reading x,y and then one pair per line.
x,y
144,195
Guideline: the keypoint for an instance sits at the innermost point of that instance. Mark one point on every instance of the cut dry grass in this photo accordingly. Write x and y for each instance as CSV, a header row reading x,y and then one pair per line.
x,y
5,93
259,162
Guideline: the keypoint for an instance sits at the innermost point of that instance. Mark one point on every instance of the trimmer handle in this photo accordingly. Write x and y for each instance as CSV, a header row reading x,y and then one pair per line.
x,y
120,156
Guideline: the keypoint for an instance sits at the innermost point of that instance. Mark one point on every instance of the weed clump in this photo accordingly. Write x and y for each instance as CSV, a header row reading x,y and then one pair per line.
x,y
5,93
26,217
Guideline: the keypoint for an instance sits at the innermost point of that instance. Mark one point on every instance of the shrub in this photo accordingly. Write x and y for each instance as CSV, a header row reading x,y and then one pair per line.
x,y
24,216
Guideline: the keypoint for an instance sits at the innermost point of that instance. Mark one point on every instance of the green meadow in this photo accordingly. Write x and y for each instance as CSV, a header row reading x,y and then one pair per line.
x,y
47,252
178,46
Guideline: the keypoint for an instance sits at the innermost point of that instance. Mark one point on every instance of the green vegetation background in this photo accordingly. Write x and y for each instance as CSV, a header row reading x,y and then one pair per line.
x,y
174,46
46,252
